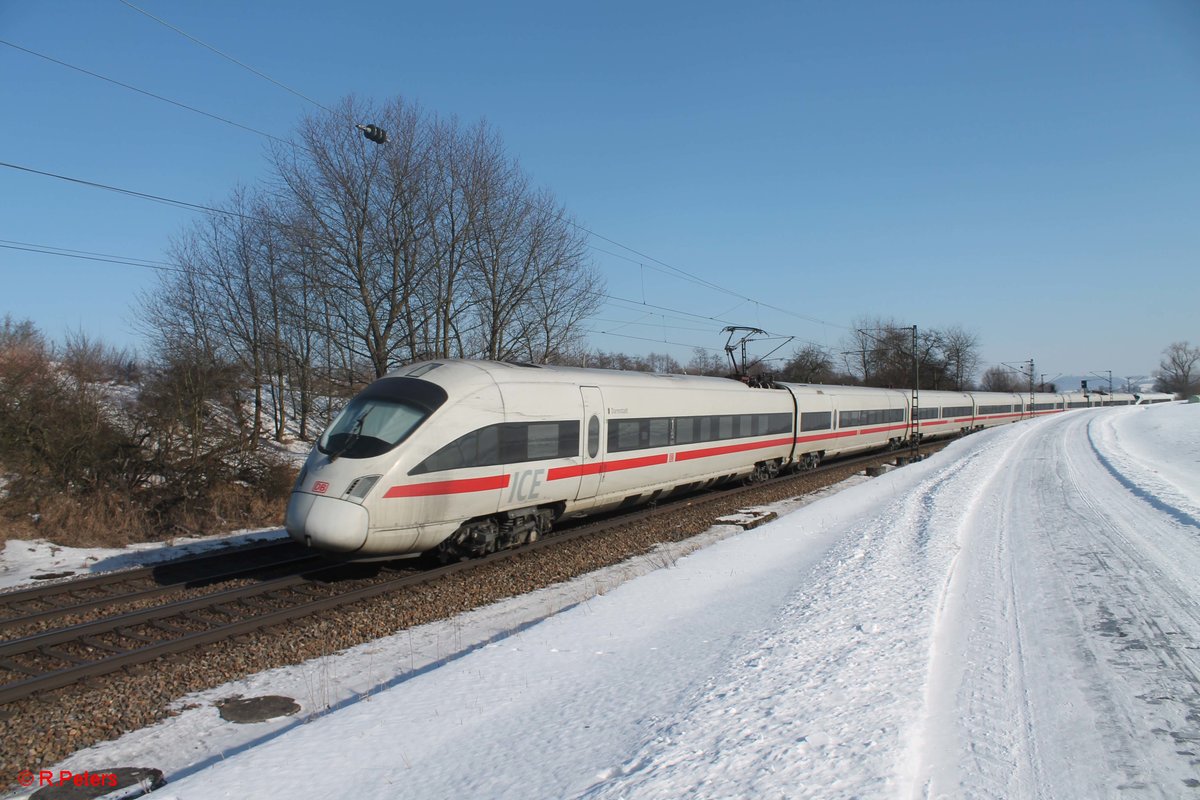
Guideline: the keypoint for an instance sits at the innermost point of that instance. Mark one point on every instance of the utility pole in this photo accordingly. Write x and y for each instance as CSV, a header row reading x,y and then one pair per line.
x,y
1110,383
1031,409
914,432
915,438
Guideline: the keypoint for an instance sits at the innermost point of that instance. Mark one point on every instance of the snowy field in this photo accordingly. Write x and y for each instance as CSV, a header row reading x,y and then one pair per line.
x,y
1016,617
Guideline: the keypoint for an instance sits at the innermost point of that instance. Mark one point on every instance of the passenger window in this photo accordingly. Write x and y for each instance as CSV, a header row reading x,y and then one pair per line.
x,y
660,433
543,440
593,442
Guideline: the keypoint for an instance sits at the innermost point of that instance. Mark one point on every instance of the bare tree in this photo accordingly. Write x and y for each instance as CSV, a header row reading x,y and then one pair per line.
x,y
1177,371
960,349
1003,379
880,352
527,266
356,216
357,258
707,362
809,364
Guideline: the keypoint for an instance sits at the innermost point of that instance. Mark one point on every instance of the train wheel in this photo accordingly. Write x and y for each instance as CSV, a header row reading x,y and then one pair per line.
x,y
541,526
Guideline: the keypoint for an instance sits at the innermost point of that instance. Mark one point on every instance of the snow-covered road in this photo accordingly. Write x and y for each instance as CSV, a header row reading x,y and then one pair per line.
x,y
1064,653
1017,616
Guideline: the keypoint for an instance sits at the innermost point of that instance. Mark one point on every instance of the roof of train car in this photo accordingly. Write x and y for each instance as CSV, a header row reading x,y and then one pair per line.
x,y
453,373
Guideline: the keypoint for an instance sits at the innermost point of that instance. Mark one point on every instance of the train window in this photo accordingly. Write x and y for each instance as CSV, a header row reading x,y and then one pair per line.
x,y
369,427
542,440
382,416
816,420
927,412
780,423
957,411
506,443
638,434
623,434
659,432
876,416
687,429
593,442
1004,409
479,448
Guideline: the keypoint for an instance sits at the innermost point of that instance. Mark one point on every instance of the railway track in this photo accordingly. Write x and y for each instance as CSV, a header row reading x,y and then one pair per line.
x,y
58,657
22,608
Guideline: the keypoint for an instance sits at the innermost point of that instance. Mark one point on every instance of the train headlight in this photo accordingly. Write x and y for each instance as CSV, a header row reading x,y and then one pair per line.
x,y
360,486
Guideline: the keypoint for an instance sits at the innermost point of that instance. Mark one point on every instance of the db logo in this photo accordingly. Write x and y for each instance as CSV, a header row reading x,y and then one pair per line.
x,y
320,487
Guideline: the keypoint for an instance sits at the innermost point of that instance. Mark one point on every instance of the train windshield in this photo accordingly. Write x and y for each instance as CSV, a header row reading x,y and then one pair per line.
x,y
380,418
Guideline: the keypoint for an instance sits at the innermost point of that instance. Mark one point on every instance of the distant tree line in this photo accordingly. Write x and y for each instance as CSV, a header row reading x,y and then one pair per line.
x,y
353,258
876,352
879,352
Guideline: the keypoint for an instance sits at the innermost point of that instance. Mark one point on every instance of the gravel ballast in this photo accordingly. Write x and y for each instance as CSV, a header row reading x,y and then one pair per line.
x,y
37,733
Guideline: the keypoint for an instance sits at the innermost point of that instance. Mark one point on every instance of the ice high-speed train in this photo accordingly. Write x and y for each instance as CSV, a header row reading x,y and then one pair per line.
x,y
467,457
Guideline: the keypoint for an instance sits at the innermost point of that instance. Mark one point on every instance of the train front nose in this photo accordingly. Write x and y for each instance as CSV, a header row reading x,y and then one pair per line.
x,y
326,523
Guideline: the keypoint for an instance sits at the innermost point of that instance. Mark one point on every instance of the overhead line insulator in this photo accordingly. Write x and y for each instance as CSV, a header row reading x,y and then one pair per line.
x,y
374,133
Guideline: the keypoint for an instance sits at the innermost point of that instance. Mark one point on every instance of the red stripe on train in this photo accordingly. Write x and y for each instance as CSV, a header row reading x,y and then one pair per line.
x,y
450,487
688,455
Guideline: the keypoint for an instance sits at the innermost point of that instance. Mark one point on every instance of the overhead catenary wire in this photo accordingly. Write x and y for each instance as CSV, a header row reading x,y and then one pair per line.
x,y
663,267
672,268
708,318
226,212
226,56
655,264
150,94
658,341
86,255
128,192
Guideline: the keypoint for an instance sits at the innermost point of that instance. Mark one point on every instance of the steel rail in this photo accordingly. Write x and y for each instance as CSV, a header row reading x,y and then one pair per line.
x,y
151,592
137,573
120,625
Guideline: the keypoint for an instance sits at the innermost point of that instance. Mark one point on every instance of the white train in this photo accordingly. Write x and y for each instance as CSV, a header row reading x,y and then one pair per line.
x,y
467,457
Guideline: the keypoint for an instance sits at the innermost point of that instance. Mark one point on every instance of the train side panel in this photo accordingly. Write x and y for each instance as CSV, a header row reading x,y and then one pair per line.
x,y
659,438
861,418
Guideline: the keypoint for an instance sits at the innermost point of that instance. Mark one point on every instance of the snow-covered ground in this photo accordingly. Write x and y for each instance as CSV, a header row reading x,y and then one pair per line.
x,y
1017,616
27,562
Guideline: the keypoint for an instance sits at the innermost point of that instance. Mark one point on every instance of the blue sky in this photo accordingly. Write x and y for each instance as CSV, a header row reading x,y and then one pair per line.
x,y
1029,170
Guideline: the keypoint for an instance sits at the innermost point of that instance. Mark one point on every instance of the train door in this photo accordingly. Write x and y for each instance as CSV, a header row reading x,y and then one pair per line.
x,y
593,442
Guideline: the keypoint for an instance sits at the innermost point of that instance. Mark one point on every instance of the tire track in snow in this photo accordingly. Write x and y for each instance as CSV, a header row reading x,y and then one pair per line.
x,y
1064,657
974,738
822,700
1139,584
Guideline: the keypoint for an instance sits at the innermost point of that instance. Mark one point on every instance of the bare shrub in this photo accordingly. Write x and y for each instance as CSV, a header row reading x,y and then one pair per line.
x,y
99,519
88,360
77,471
